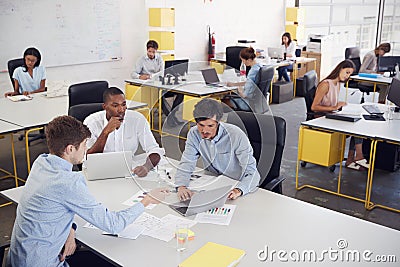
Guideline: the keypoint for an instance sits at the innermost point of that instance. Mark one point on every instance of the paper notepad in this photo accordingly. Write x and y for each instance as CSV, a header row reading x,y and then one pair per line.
x,y
216,255
16,98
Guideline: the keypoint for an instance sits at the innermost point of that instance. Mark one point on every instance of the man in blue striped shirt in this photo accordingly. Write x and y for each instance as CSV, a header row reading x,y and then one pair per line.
x,y
223,147
43,233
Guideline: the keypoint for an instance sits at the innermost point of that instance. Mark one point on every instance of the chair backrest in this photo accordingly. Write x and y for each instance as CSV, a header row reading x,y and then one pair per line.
x,y
259,103
298,52
309,91
88,92
12,65
351,52
267,136
357,63
233,56
81,111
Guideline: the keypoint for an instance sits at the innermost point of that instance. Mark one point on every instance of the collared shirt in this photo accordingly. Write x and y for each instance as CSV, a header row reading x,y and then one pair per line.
x,y
290,50
228,153
133,131
26,82
145,65
53,194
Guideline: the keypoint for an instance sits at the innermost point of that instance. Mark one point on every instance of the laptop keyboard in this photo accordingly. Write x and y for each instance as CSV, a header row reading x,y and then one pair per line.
x,y
372,109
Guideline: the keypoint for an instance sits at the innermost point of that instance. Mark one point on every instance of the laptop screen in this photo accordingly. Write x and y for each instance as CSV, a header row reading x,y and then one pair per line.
x,y
210,76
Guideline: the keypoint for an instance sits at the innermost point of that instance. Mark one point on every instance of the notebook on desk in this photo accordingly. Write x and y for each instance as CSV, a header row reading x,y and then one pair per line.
x,y
108,165
343,117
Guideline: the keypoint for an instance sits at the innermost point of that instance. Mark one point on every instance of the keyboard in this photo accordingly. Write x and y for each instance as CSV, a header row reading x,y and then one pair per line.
x,y
372,109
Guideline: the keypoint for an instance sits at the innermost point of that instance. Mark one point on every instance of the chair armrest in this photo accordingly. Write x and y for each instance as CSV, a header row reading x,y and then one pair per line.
x,y
273,183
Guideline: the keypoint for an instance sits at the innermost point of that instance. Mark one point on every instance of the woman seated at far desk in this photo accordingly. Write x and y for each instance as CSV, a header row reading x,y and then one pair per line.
x,y
31,77
288,51
327,100
247,88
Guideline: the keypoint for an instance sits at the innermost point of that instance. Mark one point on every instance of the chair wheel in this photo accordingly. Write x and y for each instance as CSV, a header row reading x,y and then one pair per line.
x,y
303,164
332,168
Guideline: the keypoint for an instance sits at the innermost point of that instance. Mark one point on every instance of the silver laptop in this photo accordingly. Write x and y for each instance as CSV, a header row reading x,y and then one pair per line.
x,y
210,77
108,165
203,201
274,52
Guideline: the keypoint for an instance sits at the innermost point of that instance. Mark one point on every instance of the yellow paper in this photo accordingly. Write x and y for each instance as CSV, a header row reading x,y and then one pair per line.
x,y
216,255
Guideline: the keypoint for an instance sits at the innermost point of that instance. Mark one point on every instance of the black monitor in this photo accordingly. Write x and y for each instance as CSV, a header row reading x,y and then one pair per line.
x,y
176,67
387,64
394,92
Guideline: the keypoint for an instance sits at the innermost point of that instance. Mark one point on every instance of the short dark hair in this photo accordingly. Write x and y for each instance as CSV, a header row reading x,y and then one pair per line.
x,y
63,131
206,109
247,53
111,91
152,44
31,51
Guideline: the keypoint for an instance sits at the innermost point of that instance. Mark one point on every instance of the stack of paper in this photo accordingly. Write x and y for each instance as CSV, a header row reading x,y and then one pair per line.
x,y
16,98
216,255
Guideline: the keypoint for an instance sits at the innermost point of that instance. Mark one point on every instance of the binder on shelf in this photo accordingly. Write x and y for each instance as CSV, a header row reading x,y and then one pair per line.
x,y
213,254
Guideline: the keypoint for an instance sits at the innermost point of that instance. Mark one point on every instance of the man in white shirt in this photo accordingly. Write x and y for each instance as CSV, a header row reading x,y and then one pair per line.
x,y
117,129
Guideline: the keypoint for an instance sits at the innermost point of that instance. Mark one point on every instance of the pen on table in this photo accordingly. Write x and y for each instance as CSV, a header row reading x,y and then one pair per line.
x,y
116,235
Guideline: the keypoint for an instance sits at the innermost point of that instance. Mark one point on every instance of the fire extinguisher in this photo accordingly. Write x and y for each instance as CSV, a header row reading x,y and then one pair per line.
x,y
211,43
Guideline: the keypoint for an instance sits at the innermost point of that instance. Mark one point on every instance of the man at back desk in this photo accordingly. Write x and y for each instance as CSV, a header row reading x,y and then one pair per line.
x,y
224,149
117,129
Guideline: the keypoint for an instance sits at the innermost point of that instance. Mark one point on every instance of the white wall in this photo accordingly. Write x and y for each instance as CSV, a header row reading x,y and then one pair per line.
x,y
260,20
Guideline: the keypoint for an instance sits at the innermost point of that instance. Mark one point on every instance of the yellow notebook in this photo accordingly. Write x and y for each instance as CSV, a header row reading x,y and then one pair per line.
x,y
216,255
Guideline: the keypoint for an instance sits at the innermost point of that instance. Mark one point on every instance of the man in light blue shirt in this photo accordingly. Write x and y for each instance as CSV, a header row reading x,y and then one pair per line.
x,y
43,233
224,149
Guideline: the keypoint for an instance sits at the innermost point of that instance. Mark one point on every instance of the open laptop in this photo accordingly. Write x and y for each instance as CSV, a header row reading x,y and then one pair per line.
x,y
210,77
275,53
202,201
108,165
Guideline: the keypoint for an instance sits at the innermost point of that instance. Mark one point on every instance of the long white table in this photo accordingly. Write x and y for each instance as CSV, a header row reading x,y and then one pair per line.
x,y
262,221
376,131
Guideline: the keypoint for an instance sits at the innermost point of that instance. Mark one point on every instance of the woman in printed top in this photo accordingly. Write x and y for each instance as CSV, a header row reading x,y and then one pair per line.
x,y
327,100
29,78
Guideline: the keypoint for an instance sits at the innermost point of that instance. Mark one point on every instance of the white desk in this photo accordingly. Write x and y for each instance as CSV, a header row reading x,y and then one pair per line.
x,y
375,81
376,131
261,219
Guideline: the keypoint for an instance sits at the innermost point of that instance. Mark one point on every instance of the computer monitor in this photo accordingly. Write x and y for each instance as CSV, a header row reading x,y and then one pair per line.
x,y
394,92
176,67
387,64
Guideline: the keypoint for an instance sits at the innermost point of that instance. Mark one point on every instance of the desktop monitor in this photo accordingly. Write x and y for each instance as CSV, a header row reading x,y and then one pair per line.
x,y
387,64
394,92
176,67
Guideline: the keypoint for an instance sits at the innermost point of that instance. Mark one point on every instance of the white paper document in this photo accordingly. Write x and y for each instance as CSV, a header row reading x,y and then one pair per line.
x,y
136,198
221,216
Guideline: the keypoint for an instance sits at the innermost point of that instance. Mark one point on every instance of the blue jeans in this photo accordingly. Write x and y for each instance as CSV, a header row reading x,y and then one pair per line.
x,y
282,72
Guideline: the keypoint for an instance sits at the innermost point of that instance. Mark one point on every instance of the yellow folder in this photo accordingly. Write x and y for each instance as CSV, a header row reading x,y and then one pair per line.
x,y
216,255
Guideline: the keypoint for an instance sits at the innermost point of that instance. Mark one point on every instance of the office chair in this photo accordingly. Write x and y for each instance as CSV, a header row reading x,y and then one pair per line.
x,y
298,54
353,53
309,84
81,111
2,250
233,56
87,92
12,64
267,144
259,101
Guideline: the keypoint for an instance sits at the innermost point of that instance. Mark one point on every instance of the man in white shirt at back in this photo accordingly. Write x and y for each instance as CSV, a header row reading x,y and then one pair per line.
x,y
117,129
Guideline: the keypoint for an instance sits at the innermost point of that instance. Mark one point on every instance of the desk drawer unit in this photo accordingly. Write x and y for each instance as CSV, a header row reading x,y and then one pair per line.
x,y
145,94
320,147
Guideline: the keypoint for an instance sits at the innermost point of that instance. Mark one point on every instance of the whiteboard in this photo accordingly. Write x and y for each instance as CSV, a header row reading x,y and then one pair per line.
x,y
66,32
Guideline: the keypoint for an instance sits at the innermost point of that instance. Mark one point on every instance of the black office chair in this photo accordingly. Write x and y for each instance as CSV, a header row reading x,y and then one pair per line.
x,y
353,54
81,111
233,56
259,102
87,92
12,65
298,54
267,135
2,251
309,84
